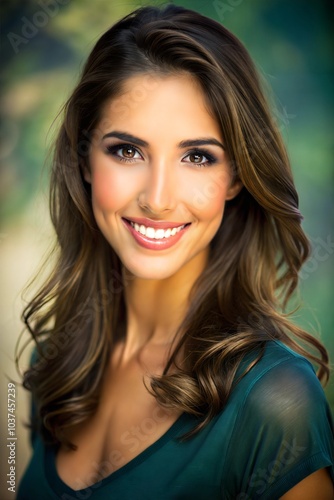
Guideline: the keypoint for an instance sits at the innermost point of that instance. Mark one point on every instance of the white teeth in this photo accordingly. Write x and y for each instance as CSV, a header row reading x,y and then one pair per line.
x,y
150,233
157,234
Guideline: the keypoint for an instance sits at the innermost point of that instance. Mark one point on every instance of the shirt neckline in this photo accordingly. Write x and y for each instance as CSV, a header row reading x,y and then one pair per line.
x,y
59,487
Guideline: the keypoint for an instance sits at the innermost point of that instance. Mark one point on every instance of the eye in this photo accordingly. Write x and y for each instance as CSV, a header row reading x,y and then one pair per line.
x,y
200,157
196,158
124,152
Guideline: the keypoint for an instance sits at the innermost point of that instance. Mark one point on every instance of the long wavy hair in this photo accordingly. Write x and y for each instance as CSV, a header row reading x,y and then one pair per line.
x,y
238,303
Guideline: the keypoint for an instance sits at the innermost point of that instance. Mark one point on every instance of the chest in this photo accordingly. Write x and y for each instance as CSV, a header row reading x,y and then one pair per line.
x,y
127,421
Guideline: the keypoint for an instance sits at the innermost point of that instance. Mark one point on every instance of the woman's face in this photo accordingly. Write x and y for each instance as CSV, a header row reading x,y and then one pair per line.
x,y
159,175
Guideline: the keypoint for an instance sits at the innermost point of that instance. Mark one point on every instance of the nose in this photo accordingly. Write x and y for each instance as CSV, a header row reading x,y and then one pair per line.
x,y
158,193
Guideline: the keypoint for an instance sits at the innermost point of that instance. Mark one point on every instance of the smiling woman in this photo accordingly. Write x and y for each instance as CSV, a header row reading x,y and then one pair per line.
x,y
164,366
160,179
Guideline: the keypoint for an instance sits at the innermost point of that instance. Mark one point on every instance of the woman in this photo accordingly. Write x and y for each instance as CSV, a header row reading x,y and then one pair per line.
x,y
165,367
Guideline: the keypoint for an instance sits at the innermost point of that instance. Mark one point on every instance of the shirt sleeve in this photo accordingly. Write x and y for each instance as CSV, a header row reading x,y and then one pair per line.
x,y
283,433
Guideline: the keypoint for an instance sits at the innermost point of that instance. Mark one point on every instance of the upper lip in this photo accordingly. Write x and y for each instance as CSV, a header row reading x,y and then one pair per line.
x,y
155,224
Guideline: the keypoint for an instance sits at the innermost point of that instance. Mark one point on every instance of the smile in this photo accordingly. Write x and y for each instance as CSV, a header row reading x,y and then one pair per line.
x,y
155,238
156,234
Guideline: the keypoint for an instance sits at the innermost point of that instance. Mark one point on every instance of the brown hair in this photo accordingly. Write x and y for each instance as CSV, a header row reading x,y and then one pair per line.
x,y
237,303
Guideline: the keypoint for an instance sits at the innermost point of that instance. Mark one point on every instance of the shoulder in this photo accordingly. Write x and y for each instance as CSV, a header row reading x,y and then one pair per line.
x,y
281,381
283,422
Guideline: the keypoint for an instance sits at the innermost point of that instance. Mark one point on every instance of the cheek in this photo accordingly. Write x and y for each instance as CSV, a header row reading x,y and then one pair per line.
x,y
109,189
209,196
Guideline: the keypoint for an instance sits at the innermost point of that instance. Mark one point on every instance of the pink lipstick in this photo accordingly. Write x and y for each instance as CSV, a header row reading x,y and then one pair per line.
x,y
155,235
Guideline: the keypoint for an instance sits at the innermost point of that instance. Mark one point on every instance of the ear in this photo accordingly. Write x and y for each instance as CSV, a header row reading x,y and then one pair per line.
x,y
234,189
86,173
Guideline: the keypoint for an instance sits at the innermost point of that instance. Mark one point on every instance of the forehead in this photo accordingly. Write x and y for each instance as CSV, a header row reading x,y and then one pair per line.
x,y
152,101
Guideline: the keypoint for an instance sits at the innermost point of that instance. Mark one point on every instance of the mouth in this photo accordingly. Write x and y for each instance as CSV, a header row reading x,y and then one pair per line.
x,y
156,233
156,237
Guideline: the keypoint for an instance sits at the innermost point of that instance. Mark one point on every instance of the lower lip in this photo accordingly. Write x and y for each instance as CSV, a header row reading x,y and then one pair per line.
x,y
153,244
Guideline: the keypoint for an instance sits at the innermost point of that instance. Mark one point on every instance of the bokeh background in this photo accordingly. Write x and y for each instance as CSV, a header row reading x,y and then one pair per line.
x,y
44,45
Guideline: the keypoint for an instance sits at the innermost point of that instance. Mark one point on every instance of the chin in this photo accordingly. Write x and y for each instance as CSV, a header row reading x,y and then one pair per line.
x,y
149,272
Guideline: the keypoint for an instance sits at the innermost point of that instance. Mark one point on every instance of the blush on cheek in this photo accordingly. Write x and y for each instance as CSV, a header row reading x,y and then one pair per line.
x,y
213,217
107,191
210,202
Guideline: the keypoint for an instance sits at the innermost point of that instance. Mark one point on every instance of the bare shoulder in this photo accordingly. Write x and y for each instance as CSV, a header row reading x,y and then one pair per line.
x,y
317,485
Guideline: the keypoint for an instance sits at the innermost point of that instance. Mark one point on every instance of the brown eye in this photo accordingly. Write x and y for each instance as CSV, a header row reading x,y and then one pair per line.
x,y
128,152
196,158
124,152
199,158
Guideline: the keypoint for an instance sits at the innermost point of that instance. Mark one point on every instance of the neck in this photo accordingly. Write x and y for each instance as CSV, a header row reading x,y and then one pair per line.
x,y
156,308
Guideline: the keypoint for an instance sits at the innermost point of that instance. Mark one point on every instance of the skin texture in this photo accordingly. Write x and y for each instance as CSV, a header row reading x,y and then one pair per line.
x,y
161,182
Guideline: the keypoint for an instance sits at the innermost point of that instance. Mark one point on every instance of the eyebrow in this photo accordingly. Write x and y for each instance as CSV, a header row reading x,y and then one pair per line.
x,y
183,144
127,137
201,142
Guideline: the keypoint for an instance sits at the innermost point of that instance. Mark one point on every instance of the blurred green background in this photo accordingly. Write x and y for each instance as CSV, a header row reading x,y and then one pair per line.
x,y
44,45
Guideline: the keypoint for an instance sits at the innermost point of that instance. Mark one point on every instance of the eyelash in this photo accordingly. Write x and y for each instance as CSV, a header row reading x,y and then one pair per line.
x,y
210,159
113,150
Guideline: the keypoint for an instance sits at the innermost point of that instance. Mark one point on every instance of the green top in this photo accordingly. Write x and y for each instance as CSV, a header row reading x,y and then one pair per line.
x,y
275,430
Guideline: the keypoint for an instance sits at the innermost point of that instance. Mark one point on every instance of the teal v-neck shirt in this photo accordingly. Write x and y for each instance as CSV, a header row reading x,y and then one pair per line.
x,y
275,430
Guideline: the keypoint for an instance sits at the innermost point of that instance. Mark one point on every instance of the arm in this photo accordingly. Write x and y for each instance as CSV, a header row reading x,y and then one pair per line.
x,y
315,486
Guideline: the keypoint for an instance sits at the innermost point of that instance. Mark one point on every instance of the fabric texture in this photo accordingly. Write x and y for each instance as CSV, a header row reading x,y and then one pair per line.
x,y
275,430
